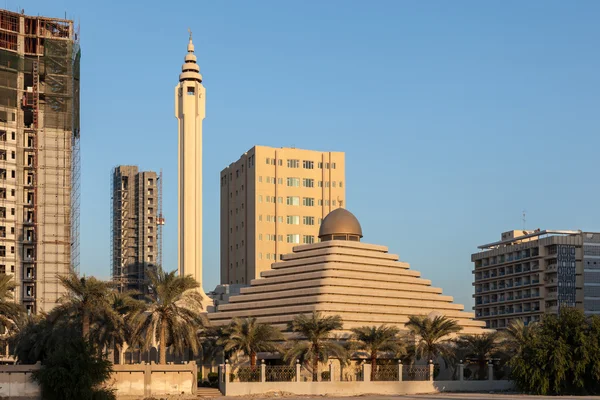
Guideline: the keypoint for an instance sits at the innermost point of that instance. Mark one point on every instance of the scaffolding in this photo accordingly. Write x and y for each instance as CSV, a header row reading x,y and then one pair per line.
x,y
39,104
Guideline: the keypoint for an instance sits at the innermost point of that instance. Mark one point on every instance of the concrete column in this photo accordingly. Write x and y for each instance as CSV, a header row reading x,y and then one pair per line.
x,y
227,371
461,371
490,371
366,372
431,370
298,371
263,371
400,370
331,371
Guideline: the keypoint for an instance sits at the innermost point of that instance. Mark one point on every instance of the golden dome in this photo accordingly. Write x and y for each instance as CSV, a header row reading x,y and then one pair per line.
x,y
340,224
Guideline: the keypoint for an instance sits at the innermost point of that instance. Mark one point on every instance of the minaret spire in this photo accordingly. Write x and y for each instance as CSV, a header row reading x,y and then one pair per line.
x,y
190,103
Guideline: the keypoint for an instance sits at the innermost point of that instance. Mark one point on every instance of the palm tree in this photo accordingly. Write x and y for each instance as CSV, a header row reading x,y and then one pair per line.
x,y
516,335
376,339
10,311
86,297
432,335
318,344
173,314
114,326
249,337
480,347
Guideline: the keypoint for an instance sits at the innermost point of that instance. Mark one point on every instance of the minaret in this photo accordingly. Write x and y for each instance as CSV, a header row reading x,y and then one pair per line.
x,y
190,105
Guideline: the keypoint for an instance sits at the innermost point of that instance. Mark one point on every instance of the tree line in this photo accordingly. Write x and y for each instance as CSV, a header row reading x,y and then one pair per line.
x,y
559,355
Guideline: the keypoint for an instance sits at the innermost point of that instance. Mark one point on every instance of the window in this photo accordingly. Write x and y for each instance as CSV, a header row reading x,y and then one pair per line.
x,y
308,201
320,183
293,163
280,219
280,162
268,160
3,136
150,239
269,179
12,155
295,182
333,202
326,184
12,192
326,165
150,249
341,184
260,198
293,219
2,251
290,201
308,239
150,210
3,193
191,90
12,136
320,165
260,256
260,179
2,269
307,182
260,236
2,212
333,184
2,174
268,256
150,220
332,165
280,181
150,229
293,238
326,202
2,231
308,164
320,220
280,238
150,181
308,221
260,218
2,155
320,202
280,200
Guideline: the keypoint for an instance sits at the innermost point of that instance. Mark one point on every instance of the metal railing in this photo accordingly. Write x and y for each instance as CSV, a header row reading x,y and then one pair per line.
x,y
280,373
415,373
385,373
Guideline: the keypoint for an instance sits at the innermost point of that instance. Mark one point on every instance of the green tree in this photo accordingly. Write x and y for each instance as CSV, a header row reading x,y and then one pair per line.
x,y
73,371
86,298
516,336
432,335
10,312
250,337
480,348
318,344
377,339
562,357
173,315
114,326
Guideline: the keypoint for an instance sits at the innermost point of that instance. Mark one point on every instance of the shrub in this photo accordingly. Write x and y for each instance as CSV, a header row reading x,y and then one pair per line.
x,y
73,371
213,377
325,376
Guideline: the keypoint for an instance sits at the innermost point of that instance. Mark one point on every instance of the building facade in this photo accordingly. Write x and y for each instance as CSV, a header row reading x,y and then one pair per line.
x,y
273,199
39,155
135,224
529,273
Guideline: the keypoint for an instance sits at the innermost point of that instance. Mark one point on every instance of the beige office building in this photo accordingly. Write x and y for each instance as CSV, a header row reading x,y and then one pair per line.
x,y
529,273
273,199
39,155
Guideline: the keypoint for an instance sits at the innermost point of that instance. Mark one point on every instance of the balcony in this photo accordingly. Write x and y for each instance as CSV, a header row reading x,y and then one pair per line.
x,y
552,309
551,268
551,282
552,295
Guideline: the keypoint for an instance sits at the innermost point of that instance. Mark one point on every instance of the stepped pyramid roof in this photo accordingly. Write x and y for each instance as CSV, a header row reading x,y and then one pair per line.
x,y
362,283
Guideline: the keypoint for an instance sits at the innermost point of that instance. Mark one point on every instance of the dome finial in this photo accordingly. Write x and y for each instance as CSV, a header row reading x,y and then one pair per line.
x,y
340,224
190,47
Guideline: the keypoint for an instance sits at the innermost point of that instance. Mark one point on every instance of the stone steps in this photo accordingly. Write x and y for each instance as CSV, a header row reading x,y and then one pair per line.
x,y
208,392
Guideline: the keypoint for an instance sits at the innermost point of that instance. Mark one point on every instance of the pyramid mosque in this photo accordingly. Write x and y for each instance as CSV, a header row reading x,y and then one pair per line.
x,y
362,283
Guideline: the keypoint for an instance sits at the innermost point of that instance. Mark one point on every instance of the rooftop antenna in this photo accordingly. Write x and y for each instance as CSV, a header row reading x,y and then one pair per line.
x,y
524,218
190,32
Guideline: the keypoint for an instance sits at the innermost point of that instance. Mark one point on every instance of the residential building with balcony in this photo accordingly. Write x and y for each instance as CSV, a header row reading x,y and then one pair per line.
x,y
529,273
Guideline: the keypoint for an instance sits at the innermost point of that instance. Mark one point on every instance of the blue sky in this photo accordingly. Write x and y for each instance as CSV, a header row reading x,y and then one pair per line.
x,y
454,116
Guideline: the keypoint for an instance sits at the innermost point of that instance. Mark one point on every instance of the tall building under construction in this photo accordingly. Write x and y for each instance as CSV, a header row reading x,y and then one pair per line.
x,y
39,155
136,226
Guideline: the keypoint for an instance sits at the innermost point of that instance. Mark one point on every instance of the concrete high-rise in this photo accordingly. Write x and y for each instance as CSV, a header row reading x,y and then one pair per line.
x,y
135,224
39,155
273,199
190,104
529,273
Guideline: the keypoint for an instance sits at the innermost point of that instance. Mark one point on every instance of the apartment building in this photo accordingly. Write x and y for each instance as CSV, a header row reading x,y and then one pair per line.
x,y
135,223
273,199
529,273
39,155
